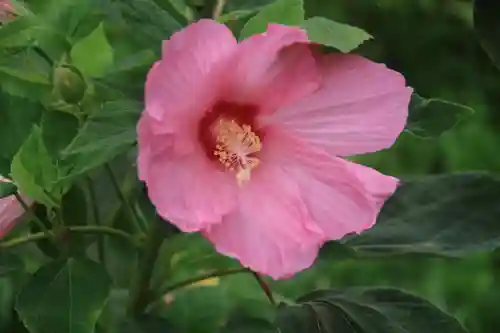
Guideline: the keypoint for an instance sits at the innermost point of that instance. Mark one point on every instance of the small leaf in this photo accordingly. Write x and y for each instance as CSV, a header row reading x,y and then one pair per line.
x,y
487,27
451,215
343,37
64,296
365,310
431,117
287,12
102,53
34,172
7,189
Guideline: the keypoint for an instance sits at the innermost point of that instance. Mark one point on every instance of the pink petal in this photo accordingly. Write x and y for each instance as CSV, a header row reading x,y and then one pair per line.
x,y
341,197
189,191
379,186
186,79
273,69
361,107
10,211
271,231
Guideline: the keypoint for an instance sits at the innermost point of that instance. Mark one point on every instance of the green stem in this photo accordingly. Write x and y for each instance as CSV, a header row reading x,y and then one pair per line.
x,y
265,287
218,8
35,218
96,219
130,210
140,285
75,229
185,283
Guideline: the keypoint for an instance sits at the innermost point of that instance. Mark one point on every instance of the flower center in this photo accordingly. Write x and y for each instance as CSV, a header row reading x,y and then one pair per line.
x,y
234,147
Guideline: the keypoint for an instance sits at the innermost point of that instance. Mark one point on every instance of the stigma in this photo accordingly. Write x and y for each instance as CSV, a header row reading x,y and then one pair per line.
x,y
235,148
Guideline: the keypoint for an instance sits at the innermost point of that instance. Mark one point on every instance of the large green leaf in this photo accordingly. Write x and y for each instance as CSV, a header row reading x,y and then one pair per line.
x,y
365,310
343,37
105,135
452,215
17,118
64,296
34,171
97,45
240,324
487,26
431,117
288,12
70,19
25,73
144,23
9,263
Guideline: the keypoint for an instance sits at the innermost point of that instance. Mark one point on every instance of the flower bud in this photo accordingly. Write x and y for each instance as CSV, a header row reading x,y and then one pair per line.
x,y
70,84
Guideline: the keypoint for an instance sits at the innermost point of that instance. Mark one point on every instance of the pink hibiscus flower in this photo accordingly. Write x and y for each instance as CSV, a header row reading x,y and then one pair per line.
x,y
241,141
10,211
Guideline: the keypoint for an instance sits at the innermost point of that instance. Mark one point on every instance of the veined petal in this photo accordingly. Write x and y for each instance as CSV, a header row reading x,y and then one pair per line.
x,y
186,80
273,69
189,191
361,107
271,231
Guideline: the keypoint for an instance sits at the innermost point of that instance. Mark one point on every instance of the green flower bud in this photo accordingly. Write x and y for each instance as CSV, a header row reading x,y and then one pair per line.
x,y
70,84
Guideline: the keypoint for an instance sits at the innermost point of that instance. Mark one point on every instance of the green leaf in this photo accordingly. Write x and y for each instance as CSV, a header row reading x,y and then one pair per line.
x,y
240,324
343,37
487,27
70,19
34,172
146,323
64,296
10,263
432,117
144,23
451,215
18,32
185,255
104,136
25,74
102,53
288,12
7,189
58,130
360,310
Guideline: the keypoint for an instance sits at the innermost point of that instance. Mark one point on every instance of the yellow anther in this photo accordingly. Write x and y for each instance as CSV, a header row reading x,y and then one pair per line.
x,y
234,144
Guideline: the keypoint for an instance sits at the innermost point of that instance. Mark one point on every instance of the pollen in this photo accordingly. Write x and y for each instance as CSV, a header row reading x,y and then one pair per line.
x,y
235,148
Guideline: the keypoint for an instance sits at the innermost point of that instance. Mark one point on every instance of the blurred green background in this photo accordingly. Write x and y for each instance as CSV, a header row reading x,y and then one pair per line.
x,y
433,44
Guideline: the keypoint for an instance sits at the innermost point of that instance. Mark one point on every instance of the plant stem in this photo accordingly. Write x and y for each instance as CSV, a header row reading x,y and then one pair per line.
x,y
75,229
35,218
130,210
96,219
265,287
198,278
140,286
218,8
